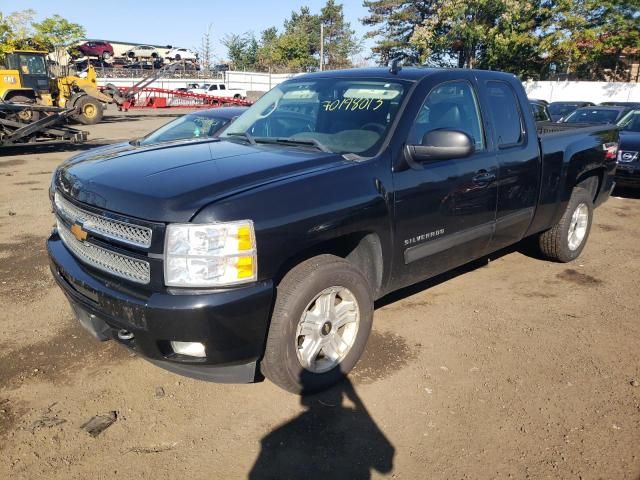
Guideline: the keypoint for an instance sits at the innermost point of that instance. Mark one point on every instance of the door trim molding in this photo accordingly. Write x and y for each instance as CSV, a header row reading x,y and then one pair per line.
x,y
427,249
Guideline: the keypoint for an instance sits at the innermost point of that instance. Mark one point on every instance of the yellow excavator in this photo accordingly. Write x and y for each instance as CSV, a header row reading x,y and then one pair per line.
x,y
25,79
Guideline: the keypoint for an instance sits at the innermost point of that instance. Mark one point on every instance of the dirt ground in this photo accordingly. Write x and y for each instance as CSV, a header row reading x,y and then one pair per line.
x,y
509,368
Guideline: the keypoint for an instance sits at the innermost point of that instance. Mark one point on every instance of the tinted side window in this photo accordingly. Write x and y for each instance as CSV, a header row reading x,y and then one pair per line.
x,y
451,106
505,112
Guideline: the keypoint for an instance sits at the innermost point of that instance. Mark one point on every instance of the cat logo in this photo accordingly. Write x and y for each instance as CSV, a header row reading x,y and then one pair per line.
x,y
78,232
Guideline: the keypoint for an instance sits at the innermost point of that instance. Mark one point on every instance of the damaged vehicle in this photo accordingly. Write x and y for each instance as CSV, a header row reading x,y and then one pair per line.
x,y
260,253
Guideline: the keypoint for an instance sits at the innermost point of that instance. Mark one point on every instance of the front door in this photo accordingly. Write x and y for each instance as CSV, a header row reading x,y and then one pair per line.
x,y
445,210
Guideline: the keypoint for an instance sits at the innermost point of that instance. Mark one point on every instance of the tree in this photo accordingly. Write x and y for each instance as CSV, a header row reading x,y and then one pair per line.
x,y
588,38
242,50
340,42
16,30
585,38
482,34
394,23
56,34
205,52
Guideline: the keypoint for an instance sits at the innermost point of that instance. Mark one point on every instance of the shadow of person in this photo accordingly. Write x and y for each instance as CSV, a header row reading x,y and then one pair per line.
x,y
328,440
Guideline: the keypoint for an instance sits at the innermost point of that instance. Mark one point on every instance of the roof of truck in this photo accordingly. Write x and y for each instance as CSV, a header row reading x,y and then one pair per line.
x,y
404,73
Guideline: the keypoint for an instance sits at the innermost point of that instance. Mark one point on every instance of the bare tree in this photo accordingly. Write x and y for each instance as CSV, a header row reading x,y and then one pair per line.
x,y
205,52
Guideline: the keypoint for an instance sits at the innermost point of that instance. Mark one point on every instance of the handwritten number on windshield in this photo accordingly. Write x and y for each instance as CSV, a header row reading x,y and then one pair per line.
x,y
352,104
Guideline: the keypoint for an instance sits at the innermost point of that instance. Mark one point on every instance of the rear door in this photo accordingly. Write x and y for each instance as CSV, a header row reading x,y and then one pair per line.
x,y
445,210
517,151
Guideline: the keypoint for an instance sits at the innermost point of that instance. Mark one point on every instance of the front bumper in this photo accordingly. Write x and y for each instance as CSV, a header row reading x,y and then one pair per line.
x,y
231,323
628,175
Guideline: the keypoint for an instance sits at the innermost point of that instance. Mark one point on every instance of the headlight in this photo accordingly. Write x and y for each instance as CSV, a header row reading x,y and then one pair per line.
x,y
210,255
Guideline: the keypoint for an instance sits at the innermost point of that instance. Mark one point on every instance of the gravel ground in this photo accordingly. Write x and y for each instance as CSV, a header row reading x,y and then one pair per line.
x,y
510,367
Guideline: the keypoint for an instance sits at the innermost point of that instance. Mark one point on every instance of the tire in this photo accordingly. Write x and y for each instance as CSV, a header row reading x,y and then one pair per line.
x,y
106,55
25,116
556,243
90,110
178,58
323,277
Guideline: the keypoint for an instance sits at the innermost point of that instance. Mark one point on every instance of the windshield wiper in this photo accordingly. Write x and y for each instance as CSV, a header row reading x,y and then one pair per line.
x,y
246,135
308,142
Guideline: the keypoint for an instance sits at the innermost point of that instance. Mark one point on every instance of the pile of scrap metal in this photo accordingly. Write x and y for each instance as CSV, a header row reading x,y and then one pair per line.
x,y
31,124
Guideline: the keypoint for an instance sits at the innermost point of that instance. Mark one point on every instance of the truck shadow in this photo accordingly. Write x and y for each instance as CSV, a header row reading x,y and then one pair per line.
x,y
633,193
329,440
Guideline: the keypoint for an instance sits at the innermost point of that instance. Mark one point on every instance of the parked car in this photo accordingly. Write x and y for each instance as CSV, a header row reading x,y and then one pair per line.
x,y
145,65
262,253
558,110
635,105
596,114
628,170
180,54
96,48
220,90
539,101
540,111
143,51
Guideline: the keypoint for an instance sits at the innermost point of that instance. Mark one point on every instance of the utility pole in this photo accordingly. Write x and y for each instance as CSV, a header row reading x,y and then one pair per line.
x,y
321,46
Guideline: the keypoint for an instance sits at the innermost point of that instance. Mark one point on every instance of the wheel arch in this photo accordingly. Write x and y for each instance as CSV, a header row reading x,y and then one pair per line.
x,y
362,249
27,92
591,181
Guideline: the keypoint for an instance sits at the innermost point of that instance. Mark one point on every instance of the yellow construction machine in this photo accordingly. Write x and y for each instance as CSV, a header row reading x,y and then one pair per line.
x,y
25,79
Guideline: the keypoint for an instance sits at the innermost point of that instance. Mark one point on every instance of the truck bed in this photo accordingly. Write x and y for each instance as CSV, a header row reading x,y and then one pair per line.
x,y
550,128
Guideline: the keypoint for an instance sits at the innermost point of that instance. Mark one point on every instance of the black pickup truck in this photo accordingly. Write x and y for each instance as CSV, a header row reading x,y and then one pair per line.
x,y
262,252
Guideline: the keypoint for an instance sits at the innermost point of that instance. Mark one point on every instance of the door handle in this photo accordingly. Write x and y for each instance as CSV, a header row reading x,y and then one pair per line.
x,y
483,177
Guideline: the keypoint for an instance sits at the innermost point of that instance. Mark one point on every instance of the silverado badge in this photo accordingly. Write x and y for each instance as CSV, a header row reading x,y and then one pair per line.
x,y
78,232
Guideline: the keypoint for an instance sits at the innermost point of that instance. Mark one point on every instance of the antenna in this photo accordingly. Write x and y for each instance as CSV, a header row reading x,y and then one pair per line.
x,y
394,65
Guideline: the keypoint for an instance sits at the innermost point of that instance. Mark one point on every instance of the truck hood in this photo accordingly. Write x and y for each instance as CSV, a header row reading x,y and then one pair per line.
x,y
171,182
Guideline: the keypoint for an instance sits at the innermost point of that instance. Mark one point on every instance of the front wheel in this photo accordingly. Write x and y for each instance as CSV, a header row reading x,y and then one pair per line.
x,y
320,325
90,110
565,241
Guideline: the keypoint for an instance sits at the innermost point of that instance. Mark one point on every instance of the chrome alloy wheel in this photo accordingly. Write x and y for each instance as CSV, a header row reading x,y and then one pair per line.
x,y
327,329
578,226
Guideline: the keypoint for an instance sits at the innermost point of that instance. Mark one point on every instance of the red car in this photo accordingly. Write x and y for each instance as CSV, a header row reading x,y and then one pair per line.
x,y
96,48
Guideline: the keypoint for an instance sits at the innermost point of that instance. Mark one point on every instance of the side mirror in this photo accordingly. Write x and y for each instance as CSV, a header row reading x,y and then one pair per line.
x,y
442,145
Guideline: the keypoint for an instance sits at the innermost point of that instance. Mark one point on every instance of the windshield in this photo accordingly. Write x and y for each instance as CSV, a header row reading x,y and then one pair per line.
x,y
333,114
630,122
590,115
193,125
562,108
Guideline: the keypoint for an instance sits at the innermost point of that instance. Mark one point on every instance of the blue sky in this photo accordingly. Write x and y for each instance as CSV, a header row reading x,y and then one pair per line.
x,y
179,23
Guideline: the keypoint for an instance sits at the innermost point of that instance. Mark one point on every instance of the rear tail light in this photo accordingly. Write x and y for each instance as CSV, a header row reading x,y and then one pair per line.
x,y
611,150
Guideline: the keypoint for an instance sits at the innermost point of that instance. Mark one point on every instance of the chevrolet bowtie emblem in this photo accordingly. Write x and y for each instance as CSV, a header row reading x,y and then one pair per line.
x,y
78,232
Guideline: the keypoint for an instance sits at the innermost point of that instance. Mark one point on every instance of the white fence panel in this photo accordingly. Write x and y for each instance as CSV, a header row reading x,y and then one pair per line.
x,y
250,81
596,92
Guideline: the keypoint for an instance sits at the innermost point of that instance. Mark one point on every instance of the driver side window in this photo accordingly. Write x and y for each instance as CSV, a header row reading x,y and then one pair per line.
x,y
449,106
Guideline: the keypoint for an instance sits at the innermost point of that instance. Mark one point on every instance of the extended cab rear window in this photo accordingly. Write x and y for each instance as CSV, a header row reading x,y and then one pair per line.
x,y
507,119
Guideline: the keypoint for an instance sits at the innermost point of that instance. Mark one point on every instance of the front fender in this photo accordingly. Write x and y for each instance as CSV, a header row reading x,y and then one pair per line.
x,y
297,214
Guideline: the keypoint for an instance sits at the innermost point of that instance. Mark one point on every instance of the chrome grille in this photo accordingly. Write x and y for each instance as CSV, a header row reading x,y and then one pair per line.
x,y
124,232
114,263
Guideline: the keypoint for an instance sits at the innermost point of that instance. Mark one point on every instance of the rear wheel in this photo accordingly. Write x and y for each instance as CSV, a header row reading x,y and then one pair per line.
x,y
320,325
565,241
90,110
